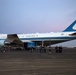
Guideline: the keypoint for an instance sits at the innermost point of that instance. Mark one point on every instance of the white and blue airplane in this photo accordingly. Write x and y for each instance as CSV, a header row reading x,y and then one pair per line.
x,y
46,38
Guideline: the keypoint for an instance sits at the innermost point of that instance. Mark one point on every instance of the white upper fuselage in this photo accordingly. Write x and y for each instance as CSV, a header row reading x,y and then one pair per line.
x,y
41,36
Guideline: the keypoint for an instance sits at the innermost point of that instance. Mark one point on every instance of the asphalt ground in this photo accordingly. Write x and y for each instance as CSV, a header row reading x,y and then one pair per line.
x,y
36,63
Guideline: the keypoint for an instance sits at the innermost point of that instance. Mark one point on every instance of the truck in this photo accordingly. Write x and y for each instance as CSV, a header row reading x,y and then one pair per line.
x,y
29,45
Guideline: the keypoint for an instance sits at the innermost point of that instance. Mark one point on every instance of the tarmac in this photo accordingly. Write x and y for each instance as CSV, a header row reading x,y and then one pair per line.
x,y
36,63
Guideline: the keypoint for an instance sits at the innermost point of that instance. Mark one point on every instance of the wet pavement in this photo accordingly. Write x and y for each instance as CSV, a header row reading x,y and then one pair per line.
x,y
35,63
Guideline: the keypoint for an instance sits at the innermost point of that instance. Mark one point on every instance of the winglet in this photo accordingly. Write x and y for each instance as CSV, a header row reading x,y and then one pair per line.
x,y
72,27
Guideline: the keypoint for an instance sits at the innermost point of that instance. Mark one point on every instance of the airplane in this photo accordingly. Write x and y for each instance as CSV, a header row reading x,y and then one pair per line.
x,y
46,38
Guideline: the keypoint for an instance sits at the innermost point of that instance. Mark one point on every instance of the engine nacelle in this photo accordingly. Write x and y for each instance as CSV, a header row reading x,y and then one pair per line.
x,y
1,43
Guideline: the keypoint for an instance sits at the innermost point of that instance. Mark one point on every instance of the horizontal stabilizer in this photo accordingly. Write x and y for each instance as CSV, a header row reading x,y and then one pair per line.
x,y
73,34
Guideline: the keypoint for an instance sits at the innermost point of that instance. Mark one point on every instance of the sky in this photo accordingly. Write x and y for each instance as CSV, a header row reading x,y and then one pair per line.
x,y
36,16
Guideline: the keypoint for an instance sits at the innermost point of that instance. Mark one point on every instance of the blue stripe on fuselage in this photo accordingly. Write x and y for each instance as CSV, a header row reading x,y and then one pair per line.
x,y
47,38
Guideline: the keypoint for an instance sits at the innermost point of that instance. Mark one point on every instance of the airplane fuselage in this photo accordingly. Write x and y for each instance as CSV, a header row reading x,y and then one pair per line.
x,y
48,38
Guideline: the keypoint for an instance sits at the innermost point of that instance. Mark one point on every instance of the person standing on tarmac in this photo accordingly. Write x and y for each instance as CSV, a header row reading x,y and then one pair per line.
x,y
49,49
60,49
40,49
44,49
31,49
56,48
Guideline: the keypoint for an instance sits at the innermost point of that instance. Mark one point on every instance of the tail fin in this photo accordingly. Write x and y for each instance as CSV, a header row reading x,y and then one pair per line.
x,y
72,27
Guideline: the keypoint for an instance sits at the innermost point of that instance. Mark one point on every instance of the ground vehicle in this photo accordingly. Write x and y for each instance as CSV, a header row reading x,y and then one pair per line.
x,y
29,45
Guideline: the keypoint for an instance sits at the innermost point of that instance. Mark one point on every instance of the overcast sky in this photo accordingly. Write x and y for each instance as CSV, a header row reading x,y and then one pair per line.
x,y
31,16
